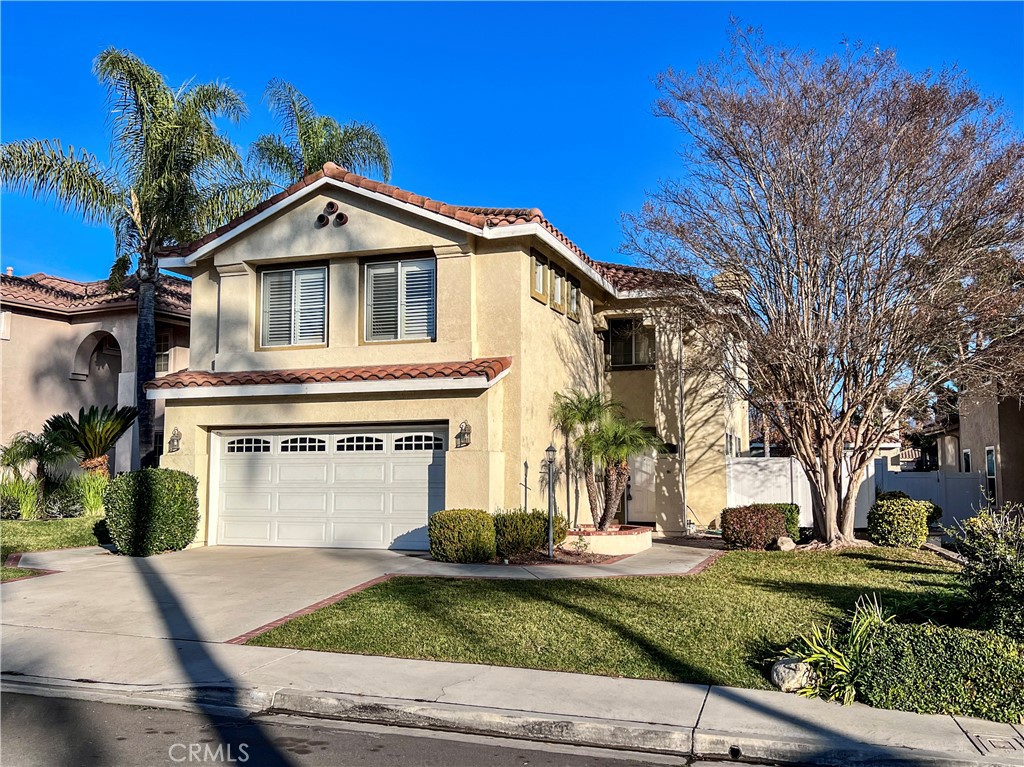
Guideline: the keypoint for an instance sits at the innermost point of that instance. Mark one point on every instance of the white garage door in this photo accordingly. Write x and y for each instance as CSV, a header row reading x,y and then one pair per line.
x,y
372,489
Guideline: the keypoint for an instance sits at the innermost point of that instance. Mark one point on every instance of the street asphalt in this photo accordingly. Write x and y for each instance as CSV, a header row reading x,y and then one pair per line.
x,y
57,732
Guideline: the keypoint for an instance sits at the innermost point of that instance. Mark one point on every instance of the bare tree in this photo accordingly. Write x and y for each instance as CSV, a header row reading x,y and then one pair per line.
x,y
857,232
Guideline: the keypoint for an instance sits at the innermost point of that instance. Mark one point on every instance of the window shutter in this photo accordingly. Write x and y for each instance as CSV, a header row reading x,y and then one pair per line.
x,y
382,302
277,309
418,299
310,306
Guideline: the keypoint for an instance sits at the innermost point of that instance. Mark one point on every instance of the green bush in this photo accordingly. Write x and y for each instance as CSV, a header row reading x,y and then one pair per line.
x,y
992,544
791,514
519,532
18,497
152,510
898,521
940,670
934,511
752,527
462,535
63,501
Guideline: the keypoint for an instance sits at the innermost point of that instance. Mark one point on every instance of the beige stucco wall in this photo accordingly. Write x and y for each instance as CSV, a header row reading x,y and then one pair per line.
x,y
979,428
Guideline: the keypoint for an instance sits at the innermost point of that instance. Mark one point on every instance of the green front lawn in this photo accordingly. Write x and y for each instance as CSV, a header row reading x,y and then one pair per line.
x,y
722,626
42,535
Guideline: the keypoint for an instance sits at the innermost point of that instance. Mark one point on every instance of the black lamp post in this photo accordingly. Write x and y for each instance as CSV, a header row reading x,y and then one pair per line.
x,y
551,453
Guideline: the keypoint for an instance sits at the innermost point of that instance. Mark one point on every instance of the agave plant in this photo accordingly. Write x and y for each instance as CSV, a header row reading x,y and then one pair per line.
x,y
94,433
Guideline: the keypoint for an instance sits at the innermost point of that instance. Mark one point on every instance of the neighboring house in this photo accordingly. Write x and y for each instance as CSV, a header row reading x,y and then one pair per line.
x,y
66,344
362,356
988,440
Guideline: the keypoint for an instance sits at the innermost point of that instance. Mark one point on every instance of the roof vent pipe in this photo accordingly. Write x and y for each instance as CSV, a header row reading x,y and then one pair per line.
x,y
10,271
331,208
323,219
340,220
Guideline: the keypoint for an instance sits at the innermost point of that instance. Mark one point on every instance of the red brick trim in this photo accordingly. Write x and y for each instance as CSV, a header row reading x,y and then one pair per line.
x,y
35,574
702,566
310,609
12,560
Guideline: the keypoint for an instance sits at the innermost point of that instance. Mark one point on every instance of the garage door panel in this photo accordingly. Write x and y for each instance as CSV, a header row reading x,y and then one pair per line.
x,y
246,531
358,534
246,501
243,473
359,503
359,471
305,533
303,472
342,488
302,502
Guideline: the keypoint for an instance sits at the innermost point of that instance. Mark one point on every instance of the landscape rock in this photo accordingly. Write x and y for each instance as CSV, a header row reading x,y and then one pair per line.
x,y
785,543
791,674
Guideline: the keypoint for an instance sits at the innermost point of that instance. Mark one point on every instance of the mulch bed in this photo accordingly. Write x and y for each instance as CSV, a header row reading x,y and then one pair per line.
x,y
562,557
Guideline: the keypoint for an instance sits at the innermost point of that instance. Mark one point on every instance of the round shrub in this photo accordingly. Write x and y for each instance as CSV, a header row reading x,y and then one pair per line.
x,y
932,669
461,535
752,527
519,532
895,521
992,545
790,512
152,510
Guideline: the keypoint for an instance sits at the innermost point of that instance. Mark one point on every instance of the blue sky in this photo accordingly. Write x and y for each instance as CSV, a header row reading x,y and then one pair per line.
x,y
525,105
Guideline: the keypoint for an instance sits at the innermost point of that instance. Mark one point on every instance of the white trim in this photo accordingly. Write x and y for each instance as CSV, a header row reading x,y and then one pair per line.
x,y
473,383
214,488
487,233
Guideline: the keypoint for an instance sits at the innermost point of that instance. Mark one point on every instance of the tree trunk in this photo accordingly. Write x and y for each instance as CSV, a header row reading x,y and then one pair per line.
x,y
568,478
616,477
576,507
145,354
99,465
592,495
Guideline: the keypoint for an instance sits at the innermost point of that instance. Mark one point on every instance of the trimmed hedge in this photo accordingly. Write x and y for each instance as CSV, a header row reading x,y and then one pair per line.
x,y
519,532
898,521
791,514
150,511
940,670
752,527
462,535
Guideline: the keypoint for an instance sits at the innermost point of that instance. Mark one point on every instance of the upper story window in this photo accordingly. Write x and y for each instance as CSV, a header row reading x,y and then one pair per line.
x,y
630,343
558,291
539,278
966,461
401,300
294,305
163,352
572,308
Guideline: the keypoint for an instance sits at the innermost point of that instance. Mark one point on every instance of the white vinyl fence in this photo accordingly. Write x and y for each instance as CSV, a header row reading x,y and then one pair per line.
x,y
782,480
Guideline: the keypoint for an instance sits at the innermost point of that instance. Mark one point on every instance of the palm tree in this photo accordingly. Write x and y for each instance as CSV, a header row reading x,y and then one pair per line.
x,y
172,179
571,413
609,445
94,434
47,453
309,140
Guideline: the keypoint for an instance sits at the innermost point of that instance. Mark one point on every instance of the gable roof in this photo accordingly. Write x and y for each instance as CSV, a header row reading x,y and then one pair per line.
x,y
60,295
486,221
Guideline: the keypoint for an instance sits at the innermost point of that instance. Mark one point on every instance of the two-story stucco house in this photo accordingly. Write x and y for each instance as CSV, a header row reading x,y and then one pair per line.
x,y
362,356
66,344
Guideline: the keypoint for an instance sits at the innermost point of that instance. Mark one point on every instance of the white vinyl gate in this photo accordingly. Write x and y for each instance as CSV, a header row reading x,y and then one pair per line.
x,y
368,488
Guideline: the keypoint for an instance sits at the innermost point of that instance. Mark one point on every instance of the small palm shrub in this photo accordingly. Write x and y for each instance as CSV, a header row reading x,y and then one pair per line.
x,y
462,535
150,511
895,521
791,514
518,532
752,527
932,669
837,655
992,544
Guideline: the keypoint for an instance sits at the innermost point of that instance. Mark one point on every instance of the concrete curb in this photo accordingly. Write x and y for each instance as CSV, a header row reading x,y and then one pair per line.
x,y
690,742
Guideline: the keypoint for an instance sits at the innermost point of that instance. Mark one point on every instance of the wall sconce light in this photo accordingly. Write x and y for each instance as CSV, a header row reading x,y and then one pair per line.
x,y
174,443
465,435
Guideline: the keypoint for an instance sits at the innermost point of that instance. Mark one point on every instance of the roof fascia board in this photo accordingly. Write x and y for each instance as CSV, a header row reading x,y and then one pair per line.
x,y
473,383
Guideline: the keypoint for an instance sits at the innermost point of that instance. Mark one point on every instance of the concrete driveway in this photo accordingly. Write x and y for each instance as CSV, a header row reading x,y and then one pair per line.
x,y
207,594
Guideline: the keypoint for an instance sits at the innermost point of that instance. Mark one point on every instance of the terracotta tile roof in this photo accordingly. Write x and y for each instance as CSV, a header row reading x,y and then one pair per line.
x,y
479,217
488,368
46,291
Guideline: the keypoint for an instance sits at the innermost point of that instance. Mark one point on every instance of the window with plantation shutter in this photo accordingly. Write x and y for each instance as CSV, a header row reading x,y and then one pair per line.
x,y
400,300
294,307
